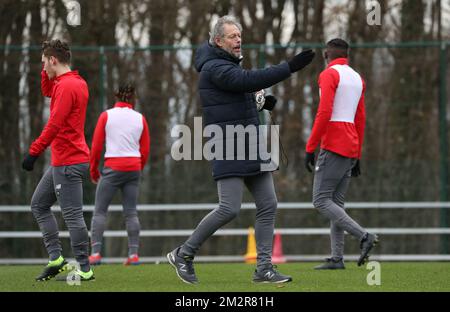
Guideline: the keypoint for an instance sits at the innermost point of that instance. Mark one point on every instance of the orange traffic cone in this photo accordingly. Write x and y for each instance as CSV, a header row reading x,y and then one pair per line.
x,y
250,256
277,253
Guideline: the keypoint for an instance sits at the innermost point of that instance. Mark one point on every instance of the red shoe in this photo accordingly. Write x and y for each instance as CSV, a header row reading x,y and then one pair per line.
x,y
132,260
95,259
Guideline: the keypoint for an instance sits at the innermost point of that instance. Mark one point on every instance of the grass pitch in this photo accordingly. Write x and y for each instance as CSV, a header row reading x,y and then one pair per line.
x,y
236,277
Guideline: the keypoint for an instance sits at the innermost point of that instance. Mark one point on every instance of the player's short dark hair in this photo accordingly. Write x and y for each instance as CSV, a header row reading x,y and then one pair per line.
x,y
338,43
58,49
126,92
339,46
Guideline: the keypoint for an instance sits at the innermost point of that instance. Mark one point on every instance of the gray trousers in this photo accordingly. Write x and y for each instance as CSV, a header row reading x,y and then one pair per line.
x,y
65,185
331,181
110,182
230,198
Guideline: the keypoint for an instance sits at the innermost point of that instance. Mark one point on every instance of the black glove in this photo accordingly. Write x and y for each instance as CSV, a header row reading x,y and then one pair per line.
x,y
356,170
28,162
270,102
301,60
309,160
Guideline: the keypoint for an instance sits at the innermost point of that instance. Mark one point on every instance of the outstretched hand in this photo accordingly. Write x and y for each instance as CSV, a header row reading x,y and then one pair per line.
x,y
301,60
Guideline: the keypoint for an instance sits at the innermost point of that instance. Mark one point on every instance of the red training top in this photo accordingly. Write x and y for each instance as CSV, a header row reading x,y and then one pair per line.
x,y
64,130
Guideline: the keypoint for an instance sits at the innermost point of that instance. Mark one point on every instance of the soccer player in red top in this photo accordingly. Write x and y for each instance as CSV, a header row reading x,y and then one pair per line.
x,y
124,132
339,128
62,182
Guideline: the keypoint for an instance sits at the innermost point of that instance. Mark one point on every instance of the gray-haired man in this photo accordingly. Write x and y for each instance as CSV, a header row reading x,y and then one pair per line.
x,y
227,96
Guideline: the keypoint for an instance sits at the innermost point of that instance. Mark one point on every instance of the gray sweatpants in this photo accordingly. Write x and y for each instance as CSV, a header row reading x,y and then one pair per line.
x,y
65,185
110,182
331,181
230,198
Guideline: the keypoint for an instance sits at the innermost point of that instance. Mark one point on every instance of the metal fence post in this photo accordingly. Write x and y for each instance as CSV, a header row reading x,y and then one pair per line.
x,y
443,141
262,64
102,78
102,104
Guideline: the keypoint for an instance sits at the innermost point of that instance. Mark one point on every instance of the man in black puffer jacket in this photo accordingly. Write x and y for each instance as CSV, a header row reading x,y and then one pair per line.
x,y
228,99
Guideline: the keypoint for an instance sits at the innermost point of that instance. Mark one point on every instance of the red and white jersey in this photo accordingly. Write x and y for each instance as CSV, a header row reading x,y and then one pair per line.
x,y
340,119
124,132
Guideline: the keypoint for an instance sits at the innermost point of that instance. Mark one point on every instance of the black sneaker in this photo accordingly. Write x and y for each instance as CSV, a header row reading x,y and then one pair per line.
x,y
331,264
52,269
184,266
367,243
270,275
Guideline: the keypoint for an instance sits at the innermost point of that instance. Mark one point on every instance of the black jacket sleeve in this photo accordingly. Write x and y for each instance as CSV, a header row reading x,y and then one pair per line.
x,y
230,77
